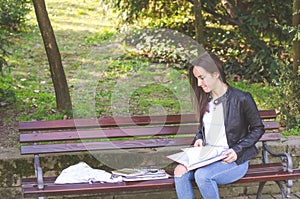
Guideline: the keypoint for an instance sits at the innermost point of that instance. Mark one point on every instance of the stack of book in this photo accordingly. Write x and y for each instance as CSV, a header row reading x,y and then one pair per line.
x,y
129,174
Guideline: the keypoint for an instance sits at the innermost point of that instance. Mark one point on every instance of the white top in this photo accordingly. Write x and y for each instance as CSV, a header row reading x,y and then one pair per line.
x,y
214,126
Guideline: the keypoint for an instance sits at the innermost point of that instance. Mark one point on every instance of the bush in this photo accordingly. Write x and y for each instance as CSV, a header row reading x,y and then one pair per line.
x,y
12,18
13,13
289,92
165,46
3,52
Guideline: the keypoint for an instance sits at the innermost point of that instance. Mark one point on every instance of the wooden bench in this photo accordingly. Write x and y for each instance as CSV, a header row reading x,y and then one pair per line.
x,y
137,132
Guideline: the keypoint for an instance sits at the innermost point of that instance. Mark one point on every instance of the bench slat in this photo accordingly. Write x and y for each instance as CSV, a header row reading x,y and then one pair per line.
x,y
267,114
91,146
269,176
271,125
270,137
108,133
96,134
124,132
85,188
119,121
118,144
105,122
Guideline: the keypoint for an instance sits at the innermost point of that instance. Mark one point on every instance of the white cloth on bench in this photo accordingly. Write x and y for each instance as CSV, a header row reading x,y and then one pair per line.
x,y
83,173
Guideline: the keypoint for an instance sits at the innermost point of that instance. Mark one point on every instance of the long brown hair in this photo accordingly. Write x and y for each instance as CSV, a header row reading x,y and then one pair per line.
x,y
211,63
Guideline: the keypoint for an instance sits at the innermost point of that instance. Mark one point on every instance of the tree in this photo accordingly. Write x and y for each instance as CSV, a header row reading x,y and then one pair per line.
x,y
253,44
199,26
63,99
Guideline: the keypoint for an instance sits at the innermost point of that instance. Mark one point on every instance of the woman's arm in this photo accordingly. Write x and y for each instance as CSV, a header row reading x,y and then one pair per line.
x,y
256,127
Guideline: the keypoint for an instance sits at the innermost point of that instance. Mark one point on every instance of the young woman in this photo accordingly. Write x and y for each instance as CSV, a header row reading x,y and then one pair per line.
x,y
229,120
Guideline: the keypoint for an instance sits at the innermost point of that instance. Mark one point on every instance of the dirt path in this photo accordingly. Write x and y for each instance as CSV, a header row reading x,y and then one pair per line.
x,y
8,127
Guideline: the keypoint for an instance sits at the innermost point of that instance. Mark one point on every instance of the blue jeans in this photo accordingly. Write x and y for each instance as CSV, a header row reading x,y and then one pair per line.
x,y
207,179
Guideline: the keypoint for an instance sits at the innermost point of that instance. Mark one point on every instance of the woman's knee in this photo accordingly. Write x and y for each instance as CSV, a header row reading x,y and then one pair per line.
x,y
201,176
180,170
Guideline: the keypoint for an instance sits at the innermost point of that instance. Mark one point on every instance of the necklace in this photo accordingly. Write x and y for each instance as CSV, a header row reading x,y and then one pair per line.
x,y
214,107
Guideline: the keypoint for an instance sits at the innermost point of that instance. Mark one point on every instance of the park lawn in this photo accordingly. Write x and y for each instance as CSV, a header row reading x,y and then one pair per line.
x,y
104,78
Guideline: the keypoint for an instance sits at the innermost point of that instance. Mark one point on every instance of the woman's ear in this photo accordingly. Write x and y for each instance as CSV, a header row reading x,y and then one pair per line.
x,y
216,75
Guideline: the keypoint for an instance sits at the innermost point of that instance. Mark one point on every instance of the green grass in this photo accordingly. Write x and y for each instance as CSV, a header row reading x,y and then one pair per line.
x,y
262,94
104,78
291,132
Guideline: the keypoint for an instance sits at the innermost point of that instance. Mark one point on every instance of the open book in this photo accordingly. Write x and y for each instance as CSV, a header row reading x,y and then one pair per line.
x,y
196,157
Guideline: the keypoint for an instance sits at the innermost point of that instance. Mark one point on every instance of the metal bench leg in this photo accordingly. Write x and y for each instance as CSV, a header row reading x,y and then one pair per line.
x,y
38,172
260,189
285,193
282,189
289,185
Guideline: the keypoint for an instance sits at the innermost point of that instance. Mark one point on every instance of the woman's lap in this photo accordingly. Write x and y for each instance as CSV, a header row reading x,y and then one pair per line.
x,y
221,172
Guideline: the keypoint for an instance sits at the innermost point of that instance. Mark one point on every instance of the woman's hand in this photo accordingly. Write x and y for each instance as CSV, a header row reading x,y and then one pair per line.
x,y
198,143
231,156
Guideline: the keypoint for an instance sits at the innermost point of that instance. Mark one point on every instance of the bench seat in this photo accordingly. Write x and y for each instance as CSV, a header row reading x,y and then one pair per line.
x,y
256,173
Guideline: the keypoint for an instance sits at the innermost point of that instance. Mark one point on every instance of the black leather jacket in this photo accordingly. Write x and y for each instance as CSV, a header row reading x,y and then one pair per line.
x,y
243,124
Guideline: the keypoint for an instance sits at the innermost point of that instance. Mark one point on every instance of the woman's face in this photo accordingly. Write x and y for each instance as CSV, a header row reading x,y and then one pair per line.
x,y
206,80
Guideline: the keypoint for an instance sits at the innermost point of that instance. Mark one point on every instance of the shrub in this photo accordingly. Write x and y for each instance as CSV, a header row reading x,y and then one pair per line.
x,y
12,17
13,13
289,92
165,46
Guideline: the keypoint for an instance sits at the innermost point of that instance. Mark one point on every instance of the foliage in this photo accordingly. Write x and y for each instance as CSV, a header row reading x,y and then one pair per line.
x,y
260,36
292,132
164,46
172,14
289,86
12,17
13,13
3,49
132,10
289,92
254,45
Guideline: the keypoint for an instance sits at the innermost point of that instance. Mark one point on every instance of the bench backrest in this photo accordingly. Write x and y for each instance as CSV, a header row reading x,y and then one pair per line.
x,y
61,136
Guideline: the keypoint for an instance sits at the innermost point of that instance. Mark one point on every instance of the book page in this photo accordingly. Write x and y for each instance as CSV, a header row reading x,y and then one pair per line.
x,y
128,172
195,157
199,154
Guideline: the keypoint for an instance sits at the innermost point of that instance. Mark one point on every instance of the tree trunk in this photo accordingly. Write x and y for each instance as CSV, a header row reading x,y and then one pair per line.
x,y
296,43
63,99
199,26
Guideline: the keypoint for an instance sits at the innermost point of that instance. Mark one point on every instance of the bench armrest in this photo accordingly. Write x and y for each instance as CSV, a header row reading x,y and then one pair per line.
x,y
286,159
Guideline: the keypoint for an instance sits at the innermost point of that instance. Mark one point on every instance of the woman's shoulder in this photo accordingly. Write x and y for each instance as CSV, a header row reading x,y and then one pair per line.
x,y
237,92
